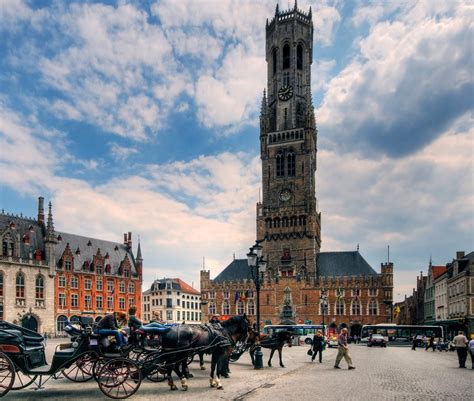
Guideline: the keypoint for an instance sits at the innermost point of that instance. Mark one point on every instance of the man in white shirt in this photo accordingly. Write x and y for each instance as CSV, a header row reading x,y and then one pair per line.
x,y
460,342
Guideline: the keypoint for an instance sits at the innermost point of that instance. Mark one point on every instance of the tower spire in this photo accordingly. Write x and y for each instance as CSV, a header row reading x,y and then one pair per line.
x,y
50,224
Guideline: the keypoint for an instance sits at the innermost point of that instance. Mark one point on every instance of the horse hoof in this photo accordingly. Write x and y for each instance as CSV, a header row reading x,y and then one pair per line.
x,y
190,376
220,387
185,388
203,367
173,388
282,366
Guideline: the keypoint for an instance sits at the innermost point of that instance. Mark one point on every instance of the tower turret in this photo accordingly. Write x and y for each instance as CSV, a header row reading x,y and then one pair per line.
x,y
50,242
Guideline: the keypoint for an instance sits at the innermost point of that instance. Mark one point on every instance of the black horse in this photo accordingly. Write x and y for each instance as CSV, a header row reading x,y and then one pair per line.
x,y
276,341
183,341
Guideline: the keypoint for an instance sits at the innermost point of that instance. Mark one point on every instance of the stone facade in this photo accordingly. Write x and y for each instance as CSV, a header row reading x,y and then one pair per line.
x,y
287,220
175,301
26,279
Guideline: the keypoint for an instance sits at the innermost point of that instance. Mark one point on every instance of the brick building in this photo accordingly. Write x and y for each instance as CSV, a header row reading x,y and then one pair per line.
x,y
48,277
287,219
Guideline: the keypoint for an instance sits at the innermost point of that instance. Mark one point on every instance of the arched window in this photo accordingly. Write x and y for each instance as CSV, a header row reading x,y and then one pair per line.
x,y
226,308
373,307
20,285
285,221
280,165
1,284
251,308
61,323
8,245
340,307
240,308
299,57
212,308
276,222
356,308
39,287
291,161
286,56
274,62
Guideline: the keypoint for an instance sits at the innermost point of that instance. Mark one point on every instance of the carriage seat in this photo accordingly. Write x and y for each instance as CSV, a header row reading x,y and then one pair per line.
x,y
65,351
156,329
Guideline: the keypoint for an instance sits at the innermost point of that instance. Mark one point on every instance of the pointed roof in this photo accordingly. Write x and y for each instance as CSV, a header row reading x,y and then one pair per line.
x,y
438,271
139,252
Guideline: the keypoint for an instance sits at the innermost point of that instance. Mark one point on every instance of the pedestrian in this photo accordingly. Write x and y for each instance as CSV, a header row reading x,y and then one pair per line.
x,y
471,349
413,343
45,336
343,350
318,344
460,342
430,344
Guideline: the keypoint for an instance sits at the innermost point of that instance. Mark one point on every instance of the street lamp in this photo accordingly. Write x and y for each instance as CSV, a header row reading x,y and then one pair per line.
x,y
323,301
257,264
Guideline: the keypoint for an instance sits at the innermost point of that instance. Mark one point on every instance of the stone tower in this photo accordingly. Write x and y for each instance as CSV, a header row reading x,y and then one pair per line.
x,y
287,217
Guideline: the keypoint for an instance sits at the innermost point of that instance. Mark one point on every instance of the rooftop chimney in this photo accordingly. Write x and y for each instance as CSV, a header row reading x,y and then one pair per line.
x,y
129,242
40,210
460,254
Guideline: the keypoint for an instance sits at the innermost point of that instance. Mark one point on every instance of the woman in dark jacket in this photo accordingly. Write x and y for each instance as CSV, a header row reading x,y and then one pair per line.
x,y
318,345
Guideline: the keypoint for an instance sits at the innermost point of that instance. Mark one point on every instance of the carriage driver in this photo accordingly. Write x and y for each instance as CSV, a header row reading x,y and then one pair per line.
x,y
110,325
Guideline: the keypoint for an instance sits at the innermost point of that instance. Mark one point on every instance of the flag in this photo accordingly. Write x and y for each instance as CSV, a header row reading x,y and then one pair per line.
x,y
242,296
237,296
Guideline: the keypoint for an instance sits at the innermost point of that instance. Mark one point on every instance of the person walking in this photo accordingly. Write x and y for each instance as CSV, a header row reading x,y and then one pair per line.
x,y
471,349
318,344
343,350
413,343
460,342
430,344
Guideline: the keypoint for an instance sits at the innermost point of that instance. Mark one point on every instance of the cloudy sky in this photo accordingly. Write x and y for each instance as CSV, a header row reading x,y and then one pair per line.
x,y
142,116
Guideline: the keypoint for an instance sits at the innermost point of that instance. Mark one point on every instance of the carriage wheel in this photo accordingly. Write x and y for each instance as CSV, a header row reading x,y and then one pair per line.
x,y
119,378
154,369
82,370
22,380
7,374
98,363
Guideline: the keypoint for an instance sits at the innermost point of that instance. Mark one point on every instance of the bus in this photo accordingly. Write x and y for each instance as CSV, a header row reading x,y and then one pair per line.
x,y
303,332
402,334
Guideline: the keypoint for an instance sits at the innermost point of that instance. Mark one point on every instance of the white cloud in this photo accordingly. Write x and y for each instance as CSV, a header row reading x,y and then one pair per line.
x,y
411,79
121,153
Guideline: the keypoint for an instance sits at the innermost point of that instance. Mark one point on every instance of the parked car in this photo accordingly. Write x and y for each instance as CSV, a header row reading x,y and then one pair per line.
x,y
377,339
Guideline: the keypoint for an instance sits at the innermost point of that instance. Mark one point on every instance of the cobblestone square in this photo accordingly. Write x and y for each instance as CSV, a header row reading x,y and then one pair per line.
x,y
393,373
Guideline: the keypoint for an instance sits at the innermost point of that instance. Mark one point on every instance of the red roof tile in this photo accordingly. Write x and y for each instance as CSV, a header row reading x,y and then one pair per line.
x,y
438,271
187,288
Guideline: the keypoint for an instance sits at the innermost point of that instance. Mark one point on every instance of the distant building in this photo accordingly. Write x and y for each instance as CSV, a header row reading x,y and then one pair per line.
x,y
460,284
441,295
48,277
429,301
174,300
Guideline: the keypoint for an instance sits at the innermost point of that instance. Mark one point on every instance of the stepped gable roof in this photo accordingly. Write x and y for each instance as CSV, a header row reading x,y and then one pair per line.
x,y
238,269
438,271
30,232
187,288
88,249
343,264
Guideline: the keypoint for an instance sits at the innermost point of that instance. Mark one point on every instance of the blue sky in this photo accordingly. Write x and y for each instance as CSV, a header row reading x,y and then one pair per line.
x,y
143,116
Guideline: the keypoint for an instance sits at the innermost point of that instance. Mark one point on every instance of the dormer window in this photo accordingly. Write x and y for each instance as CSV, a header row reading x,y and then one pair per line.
x,y
78,251
108,268
89,243
127,273
26,239
59,238
12,226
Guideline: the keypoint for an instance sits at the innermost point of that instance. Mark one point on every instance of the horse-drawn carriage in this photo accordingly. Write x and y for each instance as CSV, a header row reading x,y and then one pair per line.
x,y
118,373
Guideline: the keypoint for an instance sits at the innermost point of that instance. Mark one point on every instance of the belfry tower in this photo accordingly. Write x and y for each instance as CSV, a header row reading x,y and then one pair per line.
x,y
287,217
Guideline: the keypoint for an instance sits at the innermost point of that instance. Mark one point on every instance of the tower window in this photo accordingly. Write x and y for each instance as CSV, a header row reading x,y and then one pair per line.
x,y
291,164
286,56
274,61
280,164
299,57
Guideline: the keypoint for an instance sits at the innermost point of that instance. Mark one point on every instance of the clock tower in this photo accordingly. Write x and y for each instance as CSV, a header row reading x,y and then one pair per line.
x,y
287,217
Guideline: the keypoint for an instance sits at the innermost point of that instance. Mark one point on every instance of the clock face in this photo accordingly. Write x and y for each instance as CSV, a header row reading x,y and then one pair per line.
x,y
285,93
285,195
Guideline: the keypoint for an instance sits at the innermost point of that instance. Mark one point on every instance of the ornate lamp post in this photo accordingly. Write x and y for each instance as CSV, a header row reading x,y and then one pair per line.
x,y
257,264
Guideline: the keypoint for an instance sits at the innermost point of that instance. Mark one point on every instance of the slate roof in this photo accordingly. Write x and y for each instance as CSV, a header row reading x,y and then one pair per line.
x,y
23,226
328,264
238,269
117,251
176,284
343,264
